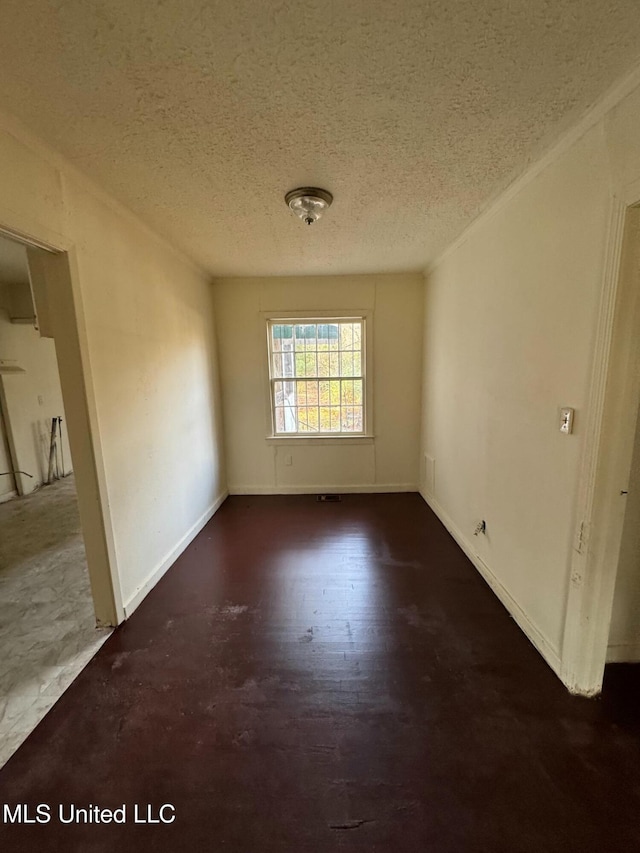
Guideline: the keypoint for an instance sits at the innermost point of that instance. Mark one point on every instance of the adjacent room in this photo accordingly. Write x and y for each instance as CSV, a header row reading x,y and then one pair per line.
x,y
320,392
47,623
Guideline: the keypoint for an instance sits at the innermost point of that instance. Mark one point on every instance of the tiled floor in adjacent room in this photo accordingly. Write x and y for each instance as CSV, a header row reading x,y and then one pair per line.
x,y
47,623
330,677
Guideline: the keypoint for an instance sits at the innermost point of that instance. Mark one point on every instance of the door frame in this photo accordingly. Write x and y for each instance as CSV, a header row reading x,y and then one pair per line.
x,y
4,440
57,296
608,449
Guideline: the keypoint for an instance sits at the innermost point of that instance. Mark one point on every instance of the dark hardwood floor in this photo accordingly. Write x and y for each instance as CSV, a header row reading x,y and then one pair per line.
x,y
325,677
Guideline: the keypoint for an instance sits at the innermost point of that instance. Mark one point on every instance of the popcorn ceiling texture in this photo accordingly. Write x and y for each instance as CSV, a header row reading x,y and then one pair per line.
x,y
201,115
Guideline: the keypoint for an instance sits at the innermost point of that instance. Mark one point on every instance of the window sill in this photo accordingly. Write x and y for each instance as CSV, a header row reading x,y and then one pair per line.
x,y
320,439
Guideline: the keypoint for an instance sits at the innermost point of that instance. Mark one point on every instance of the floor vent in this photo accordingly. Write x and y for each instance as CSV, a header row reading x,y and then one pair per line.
x,y
326,499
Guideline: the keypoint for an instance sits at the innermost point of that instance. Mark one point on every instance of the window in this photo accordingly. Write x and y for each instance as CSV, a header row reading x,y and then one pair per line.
x,y
317,376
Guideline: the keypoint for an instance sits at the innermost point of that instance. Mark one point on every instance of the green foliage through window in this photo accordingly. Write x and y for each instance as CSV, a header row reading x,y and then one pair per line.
x,y
317,379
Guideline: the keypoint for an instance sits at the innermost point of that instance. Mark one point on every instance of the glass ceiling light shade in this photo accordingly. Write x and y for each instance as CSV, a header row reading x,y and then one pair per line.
x,y
308,203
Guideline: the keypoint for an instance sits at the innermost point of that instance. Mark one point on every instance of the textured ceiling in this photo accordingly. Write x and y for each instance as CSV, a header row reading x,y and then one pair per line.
x,y
201,115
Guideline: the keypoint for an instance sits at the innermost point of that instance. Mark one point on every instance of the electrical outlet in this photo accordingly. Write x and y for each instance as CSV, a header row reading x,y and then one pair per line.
x,y
288,459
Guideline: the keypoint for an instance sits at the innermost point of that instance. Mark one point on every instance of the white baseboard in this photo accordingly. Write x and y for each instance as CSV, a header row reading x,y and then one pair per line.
x,y
530,629
323,488
155,575
624,652
8,496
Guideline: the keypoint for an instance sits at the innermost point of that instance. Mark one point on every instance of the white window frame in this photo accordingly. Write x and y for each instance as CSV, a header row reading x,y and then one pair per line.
x,y
308,317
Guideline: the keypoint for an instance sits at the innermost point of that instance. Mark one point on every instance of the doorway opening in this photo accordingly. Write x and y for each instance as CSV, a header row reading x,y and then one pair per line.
x,y
59,595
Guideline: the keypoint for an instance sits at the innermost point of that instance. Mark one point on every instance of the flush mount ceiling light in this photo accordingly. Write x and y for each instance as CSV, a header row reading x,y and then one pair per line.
x,y
308,203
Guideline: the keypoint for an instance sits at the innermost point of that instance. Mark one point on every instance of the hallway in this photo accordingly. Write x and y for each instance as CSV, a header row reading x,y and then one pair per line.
x,y
321,677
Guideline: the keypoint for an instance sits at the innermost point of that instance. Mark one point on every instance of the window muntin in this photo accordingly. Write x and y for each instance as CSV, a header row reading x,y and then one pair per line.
x,y
316,370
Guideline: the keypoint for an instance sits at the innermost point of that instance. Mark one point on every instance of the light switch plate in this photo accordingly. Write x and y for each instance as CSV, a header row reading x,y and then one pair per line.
x,y
566,421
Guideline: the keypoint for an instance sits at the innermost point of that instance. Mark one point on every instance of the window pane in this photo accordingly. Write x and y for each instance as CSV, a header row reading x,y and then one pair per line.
x,y
311,343
303,357
299,338
312,393
303,419
352,419
346,364
286,419
281,332
357,336
325,332
303,333
312,419
346,336
325,419
287,361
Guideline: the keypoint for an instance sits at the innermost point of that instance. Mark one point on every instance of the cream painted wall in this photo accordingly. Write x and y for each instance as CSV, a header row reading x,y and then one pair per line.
x,y
511,312
147,313
624,635
389,461
29,419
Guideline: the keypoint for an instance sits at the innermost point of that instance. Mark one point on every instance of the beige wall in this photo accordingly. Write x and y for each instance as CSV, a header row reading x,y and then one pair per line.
x,y
511,313
32,398
387,462
147,322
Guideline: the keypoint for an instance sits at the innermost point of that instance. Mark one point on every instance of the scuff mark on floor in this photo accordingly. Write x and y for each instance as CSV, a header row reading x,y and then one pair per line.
x,y
351,824
307,637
